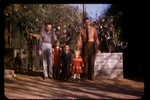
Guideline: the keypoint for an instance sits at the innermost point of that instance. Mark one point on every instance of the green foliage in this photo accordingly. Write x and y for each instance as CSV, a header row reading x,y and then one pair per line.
x,y
31,18
112,21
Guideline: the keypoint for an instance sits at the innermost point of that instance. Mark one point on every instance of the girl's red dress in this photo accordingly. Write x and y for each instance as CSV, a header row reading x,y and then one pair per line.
x,y
77,64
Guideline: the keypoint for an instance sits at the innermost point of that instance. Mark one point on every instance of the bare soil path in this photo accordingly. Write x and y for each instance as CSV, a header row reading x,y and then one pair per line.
x,y
32,86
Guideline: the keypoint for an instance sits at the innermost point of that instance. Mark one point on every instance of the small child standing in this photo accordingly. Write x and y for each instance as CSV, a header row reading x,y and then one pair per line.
x,y
57,60
77,64
66,63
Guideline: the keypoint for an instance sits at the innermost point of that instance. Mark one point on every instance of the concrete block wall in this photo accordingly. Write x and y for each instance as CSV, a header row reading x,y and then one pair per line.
x,y
108,65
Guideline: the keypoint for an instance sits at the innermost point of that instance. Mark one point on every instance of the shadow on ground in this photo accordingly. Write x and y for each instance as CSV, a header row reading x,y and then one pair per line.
x,y
30,85
31,73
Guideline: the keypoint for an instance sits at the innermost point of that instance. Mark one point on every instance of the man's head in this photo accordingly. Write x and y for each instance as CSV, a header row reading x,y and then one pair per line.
x,y
48,27
87,21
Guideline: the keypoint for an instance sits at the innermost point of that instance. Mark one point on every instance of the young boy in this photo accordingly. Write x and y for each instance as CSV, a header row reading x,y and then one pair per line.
x,y
66,59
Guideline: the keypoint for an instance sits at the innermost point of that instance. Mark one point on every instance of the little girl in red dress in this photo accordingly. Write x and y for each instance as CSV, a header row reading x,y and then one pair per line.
x,y
77,64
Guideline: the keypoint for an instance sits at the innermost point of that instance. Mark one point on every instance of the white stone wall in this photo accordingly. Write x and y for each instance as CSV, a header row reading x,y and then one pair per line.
x,y
108,65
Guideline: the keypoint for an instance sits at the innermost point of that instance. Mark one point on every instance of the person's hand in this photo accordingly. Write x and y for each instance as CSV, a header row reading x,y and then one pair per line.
x,y
98,51
53,59
70,65
40,53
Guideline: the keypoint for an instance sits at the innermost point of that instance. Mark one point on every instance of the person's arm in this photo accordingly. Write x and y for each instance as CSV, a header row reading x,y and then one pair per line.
x,y
79,44
55,37
96,40
71,58
40,44
82,63
60,60
53,54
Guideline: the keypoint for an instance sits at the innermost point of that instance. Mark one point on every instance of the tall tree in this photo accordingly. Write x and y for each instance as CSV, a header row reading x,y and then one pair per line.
x,y
31,17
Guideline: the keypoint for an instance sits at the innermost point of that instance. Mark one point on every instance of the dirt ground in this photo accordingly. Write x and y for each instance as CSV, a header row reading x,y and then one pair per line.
x,y
32,86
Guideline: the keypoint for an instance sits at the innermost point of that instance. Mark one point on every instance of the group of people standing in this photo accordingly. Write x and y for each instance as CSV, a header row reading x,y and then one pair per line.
x,y
62,63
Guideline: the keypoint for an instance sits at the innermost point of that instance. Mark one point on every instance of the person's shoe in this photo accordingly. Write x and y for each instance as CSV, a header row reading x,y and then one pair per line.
x,y
91,79
50,77
78,79
45,78
73,80
69,80
84,79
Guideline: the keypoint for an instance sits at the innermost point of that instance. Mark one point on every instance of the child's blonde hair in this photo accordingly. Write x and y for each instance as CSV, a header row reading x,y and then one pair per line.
x,y
77,52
